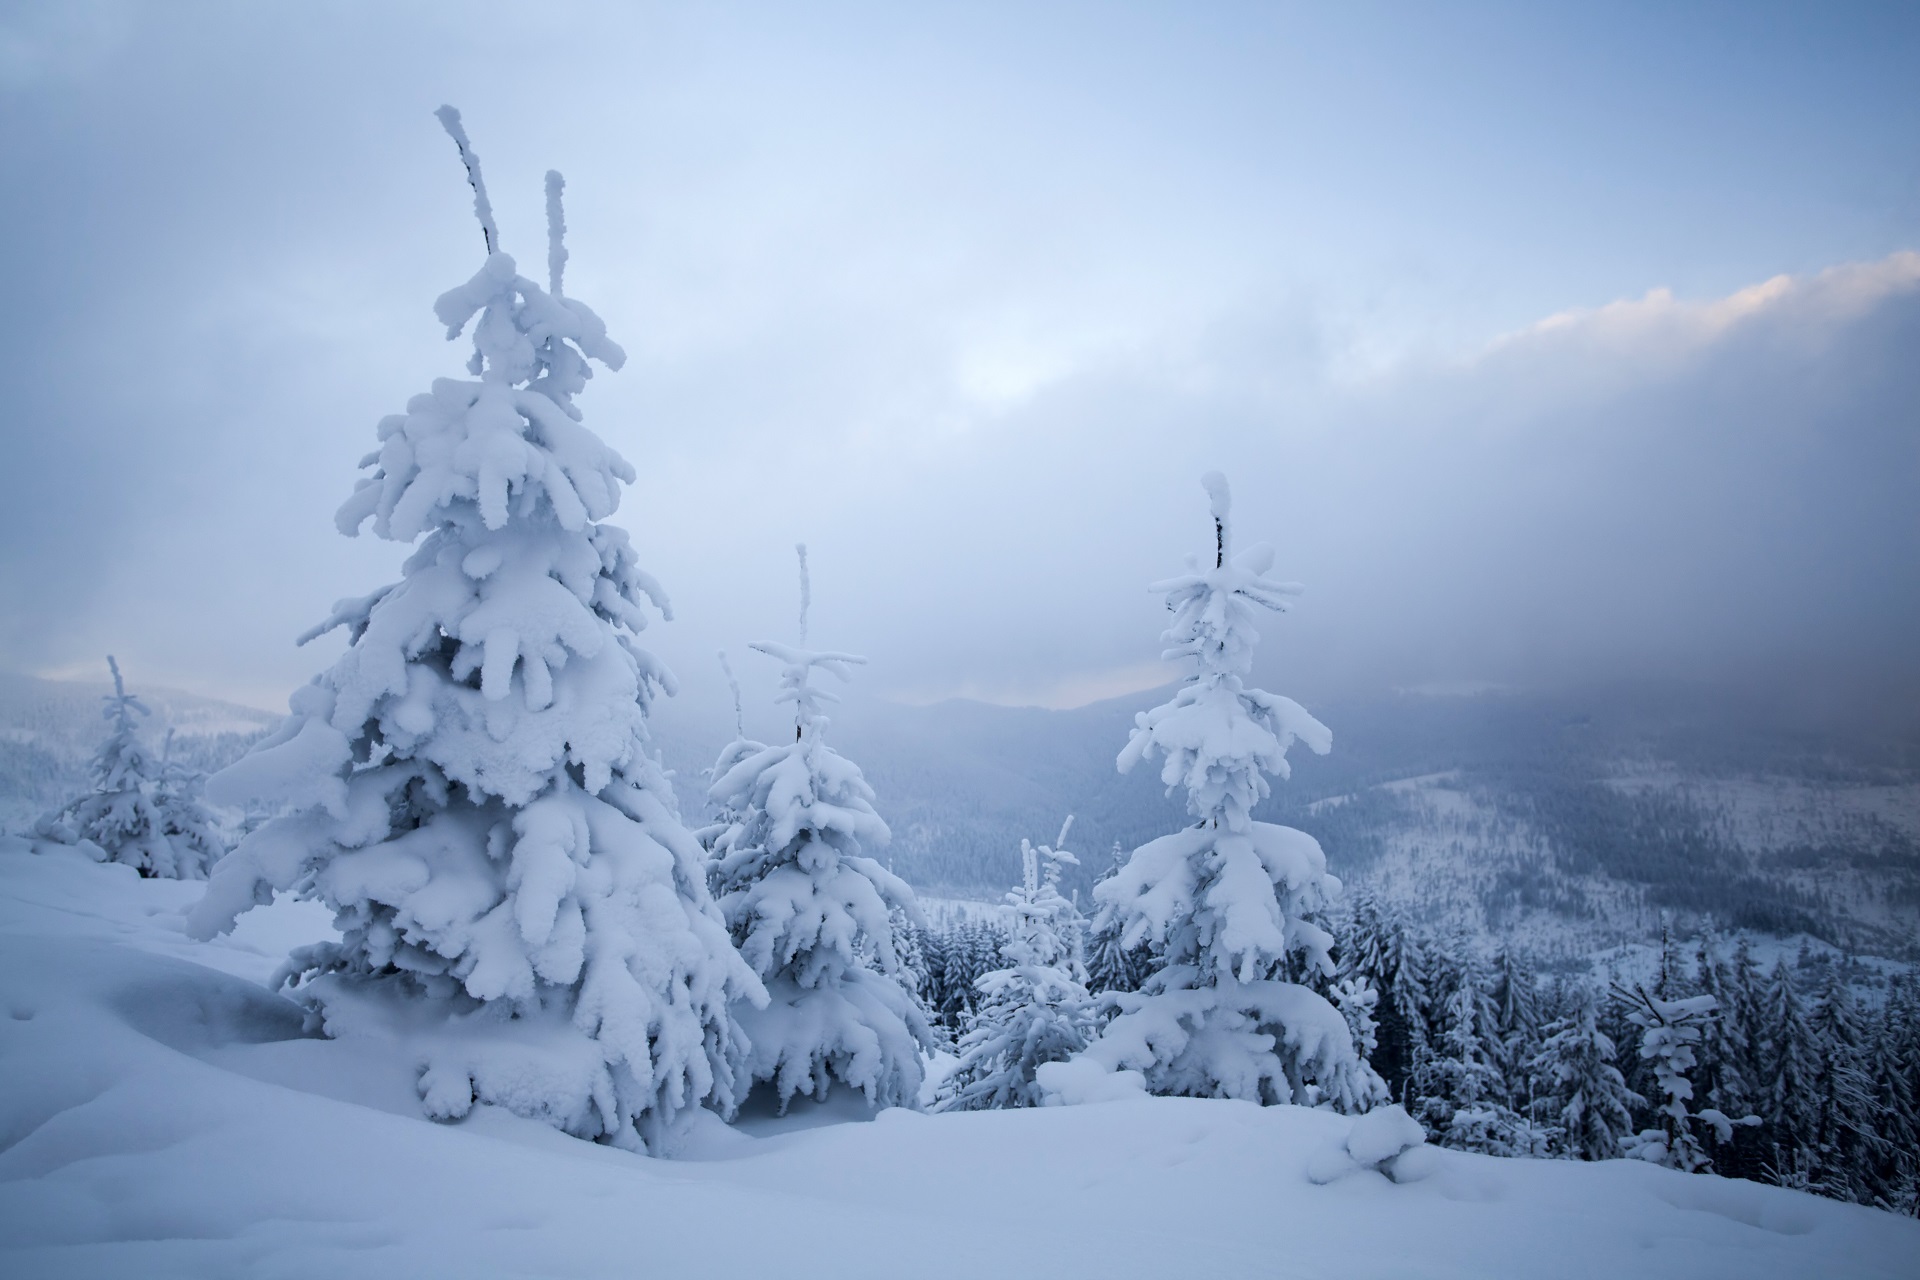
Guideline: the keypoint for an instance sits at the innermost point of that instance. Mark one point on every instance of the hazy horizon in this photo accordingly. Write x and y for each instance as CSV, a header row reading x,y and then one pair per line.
x,y
1547,350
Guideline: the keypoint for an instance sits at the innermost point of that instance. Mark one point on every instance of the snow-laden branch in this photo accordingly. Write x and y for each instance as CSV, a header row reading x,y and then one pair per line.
x,y
482,207
556,232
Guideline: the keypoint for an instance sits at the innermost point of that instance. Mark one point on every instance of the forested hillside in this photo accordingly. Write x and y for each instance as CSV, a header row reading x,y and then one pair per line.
x,y
48,729
1563,822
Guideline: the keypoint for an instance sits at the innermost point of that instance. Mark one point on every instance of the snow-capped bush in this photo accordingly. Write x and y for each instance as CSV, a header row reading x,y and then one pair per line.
x,y
1671,1033
1034,1011
470,787
1228,905
814,916
140,811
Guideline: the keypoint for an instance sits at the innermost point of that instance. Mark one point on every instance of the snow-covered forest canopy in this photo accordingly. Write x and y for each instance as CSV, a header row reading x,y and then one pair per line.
x,y
1528,883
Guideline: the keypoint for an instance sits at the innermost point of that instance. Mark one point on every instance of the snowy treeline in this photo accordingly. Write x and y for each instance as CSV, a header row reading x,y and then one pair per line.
x,y
1490,1058
951,960
1783,1074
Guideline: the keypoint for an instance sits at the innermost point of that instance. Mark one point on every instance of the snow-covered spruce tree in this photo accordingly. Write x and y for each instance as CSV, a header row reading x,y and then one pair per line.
x,y
1228,904
1585,1098
1786,1089
1726,1052
1379,948
470,787
811,914
1465,1089
961,953
1516,1000
1671,1030
1896,1071
1034,1011
1358,1003
143,812
1111,964
913,957
1745,1005
187,822
723,816
1847,1116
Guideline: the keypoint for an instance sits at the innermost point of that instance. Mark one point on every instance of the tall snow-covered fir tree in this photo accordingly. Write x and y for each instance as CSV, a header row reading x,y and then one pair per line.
x,y
471,787
1726,1050
1380,950
1516,999
1583,1094
140,811
812,914
1228,904
1847,1115
1035,1010
1465,1088
1786,1087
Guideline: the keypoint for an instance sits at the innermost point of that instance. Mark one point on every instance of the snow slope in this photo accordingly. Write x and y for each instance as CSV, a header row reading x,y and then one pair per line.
x,y
162,1114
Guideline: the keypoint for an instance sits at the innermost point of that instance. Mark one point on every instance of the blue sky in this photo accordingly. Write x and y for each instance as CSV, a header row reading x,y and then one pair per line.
x,y
967,297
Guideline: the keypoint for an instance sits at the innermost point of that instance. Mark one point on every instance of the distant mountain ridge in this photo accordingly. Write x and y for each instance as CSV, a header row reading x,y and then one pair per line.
x,y
49,729
1562,821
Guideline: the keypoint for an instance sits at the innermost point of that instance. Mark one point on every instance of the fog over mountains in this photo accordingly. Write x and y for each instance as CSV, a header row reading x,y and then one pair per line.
x,y
1562,822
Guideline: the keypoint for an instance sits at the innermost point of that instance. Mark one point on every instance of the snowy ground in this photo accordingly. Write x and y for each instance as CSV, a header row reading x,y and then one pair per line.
x,y
161,1114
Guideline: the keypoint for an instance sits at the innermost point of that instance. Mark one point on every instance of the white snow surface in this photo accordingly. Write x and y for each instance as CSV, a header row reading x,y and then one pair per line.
x,y
163,1115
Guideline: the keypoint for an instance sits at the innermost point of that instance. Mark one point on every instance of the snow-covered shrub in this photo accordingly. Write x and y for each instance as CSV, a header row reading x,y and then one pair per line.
x,y
470,787
1357,1001
1035,1010
143,812
1671,1030
1229,904
813,916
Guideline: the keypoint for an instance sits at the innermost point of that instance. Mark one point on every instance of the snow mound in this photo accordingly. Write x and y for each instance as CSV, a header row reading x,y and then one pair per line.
x,y
1079,1081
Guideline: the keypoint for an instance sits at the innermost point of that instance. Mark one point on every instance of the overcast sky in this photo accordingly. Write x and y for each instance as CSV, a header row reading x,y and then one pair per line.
x,y
1544,347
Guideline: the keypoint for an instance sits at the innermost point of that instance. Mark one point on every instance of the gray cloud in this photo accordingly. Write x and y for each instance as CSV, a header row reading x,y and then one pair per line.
x,y
968,304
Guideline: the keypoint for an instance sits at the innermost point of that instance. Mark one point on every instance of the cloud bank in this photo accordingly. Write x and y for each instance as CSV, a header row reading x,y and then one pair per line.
x,y
968,303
